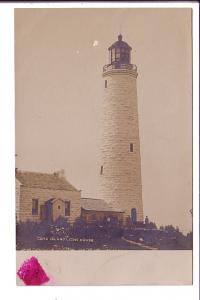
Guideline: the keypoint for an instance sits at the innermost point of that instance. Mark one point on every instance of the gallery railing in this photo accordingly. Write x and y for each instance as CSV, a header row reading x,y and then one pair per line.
x,y
119,66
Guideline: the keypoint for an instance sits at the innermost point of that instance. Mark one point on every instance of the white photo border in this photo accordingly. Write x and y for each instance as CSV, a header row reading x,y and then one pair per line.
x,y
9,290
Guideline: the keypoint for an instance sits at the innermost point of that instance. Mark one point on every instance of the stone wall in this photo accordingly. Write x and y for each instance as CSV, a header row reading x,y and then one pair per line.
x,y
27,194
120,182
91,216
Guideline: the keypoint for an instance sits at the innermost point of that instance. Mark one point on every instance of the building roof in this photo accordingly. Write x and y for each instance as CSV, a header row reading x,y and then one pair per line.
x,y
52,181
97,205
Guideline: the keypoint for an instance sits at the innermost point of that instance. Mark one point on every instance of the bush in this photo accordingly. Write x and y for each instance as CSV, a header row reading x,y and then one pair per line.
x,y
151,225
61,222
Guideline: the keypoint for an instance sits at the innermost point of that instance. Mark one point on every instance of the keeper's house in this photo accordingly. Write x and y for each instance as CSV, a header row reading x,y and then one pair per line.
x,y
41,196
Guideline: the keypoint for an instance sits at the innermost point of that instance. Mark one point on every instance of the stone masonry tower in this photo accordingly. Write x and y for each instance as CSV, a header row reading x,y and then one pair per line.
x,y
120,171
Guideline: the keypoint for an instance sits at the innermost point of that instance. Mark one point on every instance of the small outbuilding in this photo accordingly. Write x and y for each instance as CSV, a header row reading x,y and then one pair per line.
x,y
93,210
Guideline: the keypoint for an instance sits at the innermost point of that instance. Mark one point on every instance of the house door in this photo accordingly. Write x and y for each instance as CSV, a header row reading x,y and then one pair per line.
x,y
42,212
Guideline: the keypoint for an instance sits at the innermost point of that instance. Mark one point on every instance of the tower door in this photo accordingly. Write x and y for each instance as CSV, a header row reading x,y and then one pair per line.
x,y
133,215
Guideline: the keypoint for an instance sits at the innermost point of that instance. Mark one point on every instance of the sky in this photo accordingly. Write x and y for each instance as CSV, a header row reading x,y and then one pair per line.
x,y
59,57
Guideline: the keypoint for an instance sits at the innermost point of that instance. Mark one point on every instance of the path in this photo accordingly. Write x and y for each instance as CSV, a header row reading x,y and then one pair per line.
x,y
139,244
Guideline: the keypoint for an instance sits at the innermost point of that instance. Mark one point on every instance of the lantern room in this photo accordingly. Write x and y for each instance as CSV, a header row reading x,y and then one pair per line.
x,y
119,52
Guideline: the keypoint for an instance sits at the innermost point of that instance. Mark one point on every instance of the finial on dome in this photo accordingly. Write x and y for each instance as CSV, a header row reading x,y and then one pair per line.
x,y
120,37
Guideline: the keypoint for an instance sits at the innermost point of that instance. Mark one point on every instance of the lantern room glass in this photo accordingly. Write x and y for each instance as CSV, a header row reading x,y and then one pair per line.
x,y
120,55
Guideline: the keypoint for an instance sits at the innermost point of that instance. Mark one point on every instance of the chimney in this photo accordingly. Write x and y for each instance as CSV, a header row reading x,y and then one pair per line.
x,y
60,173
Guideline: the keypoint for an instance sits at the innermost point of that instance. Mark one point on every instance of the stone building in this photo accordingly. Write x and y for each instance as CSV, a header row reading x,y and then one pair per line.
x,y
93,210
41,196
120,171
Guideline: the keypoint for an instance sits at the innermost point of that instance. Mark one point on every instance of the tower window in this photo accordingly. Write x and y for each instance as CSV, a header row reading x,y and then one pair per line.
x,y
106,83
34,206
131,147
101,172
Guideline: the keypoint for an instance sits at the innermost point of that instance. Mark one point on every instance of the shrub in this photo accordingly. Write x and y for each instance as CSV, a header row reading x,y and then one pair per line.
x,y
61,222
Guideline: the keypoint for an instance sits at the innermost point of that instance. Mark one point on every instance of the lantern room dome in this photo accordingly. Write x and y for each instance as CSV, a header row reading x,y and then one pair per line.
x,y
120,44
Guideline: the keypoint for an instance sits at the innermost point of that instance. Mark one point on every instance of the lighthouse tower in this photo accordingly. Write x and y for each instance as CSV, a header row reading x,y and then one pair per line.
x,y
120,170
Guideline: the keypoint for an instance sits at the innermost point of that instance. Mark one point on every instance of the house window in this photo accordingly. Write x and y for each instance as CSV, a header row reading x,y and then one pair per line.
x,y
67,208
106,84
34,206
93,218
101,172
131,147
